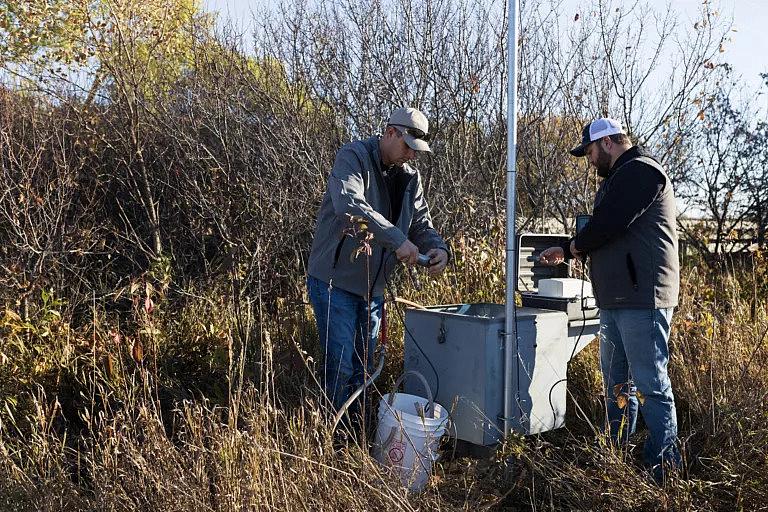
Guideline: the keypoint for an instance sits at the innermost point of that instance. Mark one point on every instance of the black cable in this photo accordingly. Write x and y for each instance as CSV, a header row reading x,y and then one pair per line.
x,y
434,370
408,331
573,352
551,405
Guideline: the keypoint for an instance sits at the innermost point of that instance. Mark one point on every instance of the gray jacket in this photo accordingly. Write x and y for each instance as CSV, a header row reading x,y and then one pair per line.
x,y
356,186
632,237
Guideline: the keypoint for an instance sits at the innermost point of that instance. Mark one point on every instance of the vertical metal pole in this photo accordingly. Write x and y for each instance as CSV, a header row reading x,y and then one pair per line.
x,y
510,326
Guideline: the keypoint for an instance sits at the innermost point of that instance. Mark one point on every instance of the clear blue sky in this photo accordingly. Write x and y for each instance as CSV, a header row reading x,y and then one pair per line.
x,y
747,52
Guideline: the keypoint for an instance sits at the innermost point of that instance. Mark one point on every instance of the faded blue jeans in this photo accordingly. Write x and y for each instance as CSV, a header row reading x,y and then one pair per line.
x,y
349,328
634,354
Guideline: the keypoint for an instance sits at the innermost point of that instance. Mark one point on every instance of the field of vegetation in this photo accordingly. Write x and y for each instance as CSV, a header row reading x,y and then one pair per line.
x,y
168,410
159,179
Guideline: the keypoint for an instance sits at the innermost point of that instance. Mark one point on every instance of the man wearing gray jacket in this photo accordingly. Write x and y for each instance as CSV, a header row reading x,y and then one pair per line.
x,y
631,241
372,189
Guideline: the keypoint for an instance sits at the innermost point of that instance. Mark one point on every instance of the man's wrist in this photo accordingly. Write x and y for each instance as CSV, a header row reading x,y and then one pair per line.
x,y
566,248
446,251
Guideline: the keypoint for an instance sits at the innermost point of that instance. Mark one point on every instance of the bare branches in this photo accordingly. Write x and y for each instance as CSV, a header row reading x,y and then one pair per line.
x,y
213,151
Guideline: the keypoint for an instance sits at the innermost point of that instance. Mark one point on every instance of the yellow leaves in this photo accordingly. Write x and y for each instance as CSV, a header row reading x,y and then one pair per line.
x,y
10,316
146,42
622,396
269,74
41,32
13,324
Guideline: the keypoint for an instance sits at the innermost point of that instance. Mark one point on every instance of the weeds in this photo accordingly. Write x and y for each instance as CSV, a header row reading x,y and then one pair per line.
x,y
89,425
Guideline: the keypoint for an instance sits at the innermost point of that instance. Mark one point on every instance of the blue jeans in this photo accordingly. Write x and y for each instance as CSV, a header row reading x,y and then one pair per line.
x,y
634,354
349,327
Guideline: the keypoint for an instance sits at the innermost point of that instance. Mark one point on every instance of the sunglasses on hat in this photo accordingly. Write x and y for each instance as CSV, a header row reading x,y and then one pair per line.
x,y
413,132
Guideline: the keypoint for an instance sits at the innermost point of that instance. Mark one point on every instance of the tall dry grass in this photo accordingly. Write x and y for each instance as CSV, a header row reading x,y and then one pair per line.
x,y
166,413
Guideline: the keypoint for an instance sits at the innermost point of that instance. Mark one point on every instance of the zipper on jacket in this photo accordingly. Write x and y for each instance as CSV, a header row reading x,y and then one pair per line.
x,y
376,278
337,254
632,271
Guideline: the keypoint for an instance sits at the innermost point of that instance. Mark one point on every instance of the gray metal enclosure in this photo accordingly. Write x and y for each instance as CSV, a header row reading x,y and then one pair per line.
x,y
464,344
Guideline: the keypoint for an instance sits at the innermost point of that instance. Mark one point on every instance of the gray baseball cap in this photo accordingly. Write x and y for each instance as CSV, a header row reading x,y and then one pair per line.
x,y
414,127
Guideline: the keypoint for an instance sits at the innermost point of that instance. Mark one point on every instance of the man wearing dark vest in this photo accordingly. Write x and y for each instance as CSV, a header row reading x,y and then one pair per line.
x,y
631,241
372,182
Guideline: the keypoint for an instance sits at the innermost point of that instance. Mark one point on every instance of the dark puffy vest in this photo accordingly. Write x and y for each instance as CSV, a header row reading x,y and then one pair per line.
x,y
640,267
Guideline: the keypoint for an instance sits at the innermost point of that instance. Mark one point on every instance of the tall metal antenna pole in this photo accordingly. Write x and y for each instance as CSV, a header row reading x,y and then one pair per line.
x,y
510,326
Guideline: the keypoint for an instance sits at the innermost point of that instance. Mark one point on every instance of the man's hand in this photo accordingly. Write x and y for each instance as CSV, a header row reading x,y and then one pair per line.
x,y
438,259
576,253
552,256
407,253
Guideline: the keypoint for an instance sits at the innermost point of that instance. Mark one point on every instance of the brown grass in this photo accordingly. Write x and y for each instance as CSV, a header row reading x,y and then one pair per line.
x,y
87,426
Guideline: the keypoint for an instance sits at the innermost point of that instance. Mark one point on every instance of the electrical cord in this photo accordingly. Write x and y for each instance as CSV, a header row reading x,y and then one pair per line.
x,y
390,288
408,331
573,352
436,392
342,410
382,265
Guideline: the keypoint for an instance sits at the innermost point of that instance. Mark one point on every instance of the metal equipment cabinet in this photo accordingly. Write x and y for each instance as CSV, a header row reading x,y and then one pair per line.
x,y
459,349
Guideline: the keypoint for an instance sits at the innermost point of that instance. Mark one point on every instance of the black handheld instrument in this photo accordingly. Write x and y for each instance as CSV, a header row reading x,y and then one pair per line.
x,y
424,261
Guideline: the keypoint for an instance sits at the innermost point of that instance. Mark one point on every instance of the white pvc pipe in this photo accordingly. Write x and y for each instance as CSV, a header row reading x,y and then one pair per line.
x,y
510,326
343,409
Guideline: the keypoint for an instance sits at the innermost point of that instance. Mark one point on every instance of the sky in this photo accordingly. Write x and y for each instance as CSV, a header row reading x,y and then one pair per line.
x,y
747,52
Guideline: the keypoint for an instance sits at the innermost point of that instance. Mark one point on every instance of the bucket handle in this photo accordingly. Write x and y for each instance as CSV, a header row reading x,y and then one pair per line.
x,y
430,406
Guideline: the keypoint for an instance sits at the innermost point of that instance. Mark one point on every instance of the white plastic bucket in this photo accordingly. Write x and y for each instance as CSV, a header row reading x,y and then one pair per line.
x,y
408,434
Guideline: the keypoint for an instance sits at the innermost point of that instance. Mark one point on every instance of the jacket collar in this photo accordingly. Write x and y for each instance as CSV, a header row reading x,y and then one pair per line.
x,y
630,154
372,145
625,157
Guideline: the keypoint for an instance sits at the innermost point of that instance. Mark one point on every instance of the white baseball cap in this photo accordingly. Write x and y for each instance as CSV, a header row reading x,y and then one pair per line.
x,y
596,130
